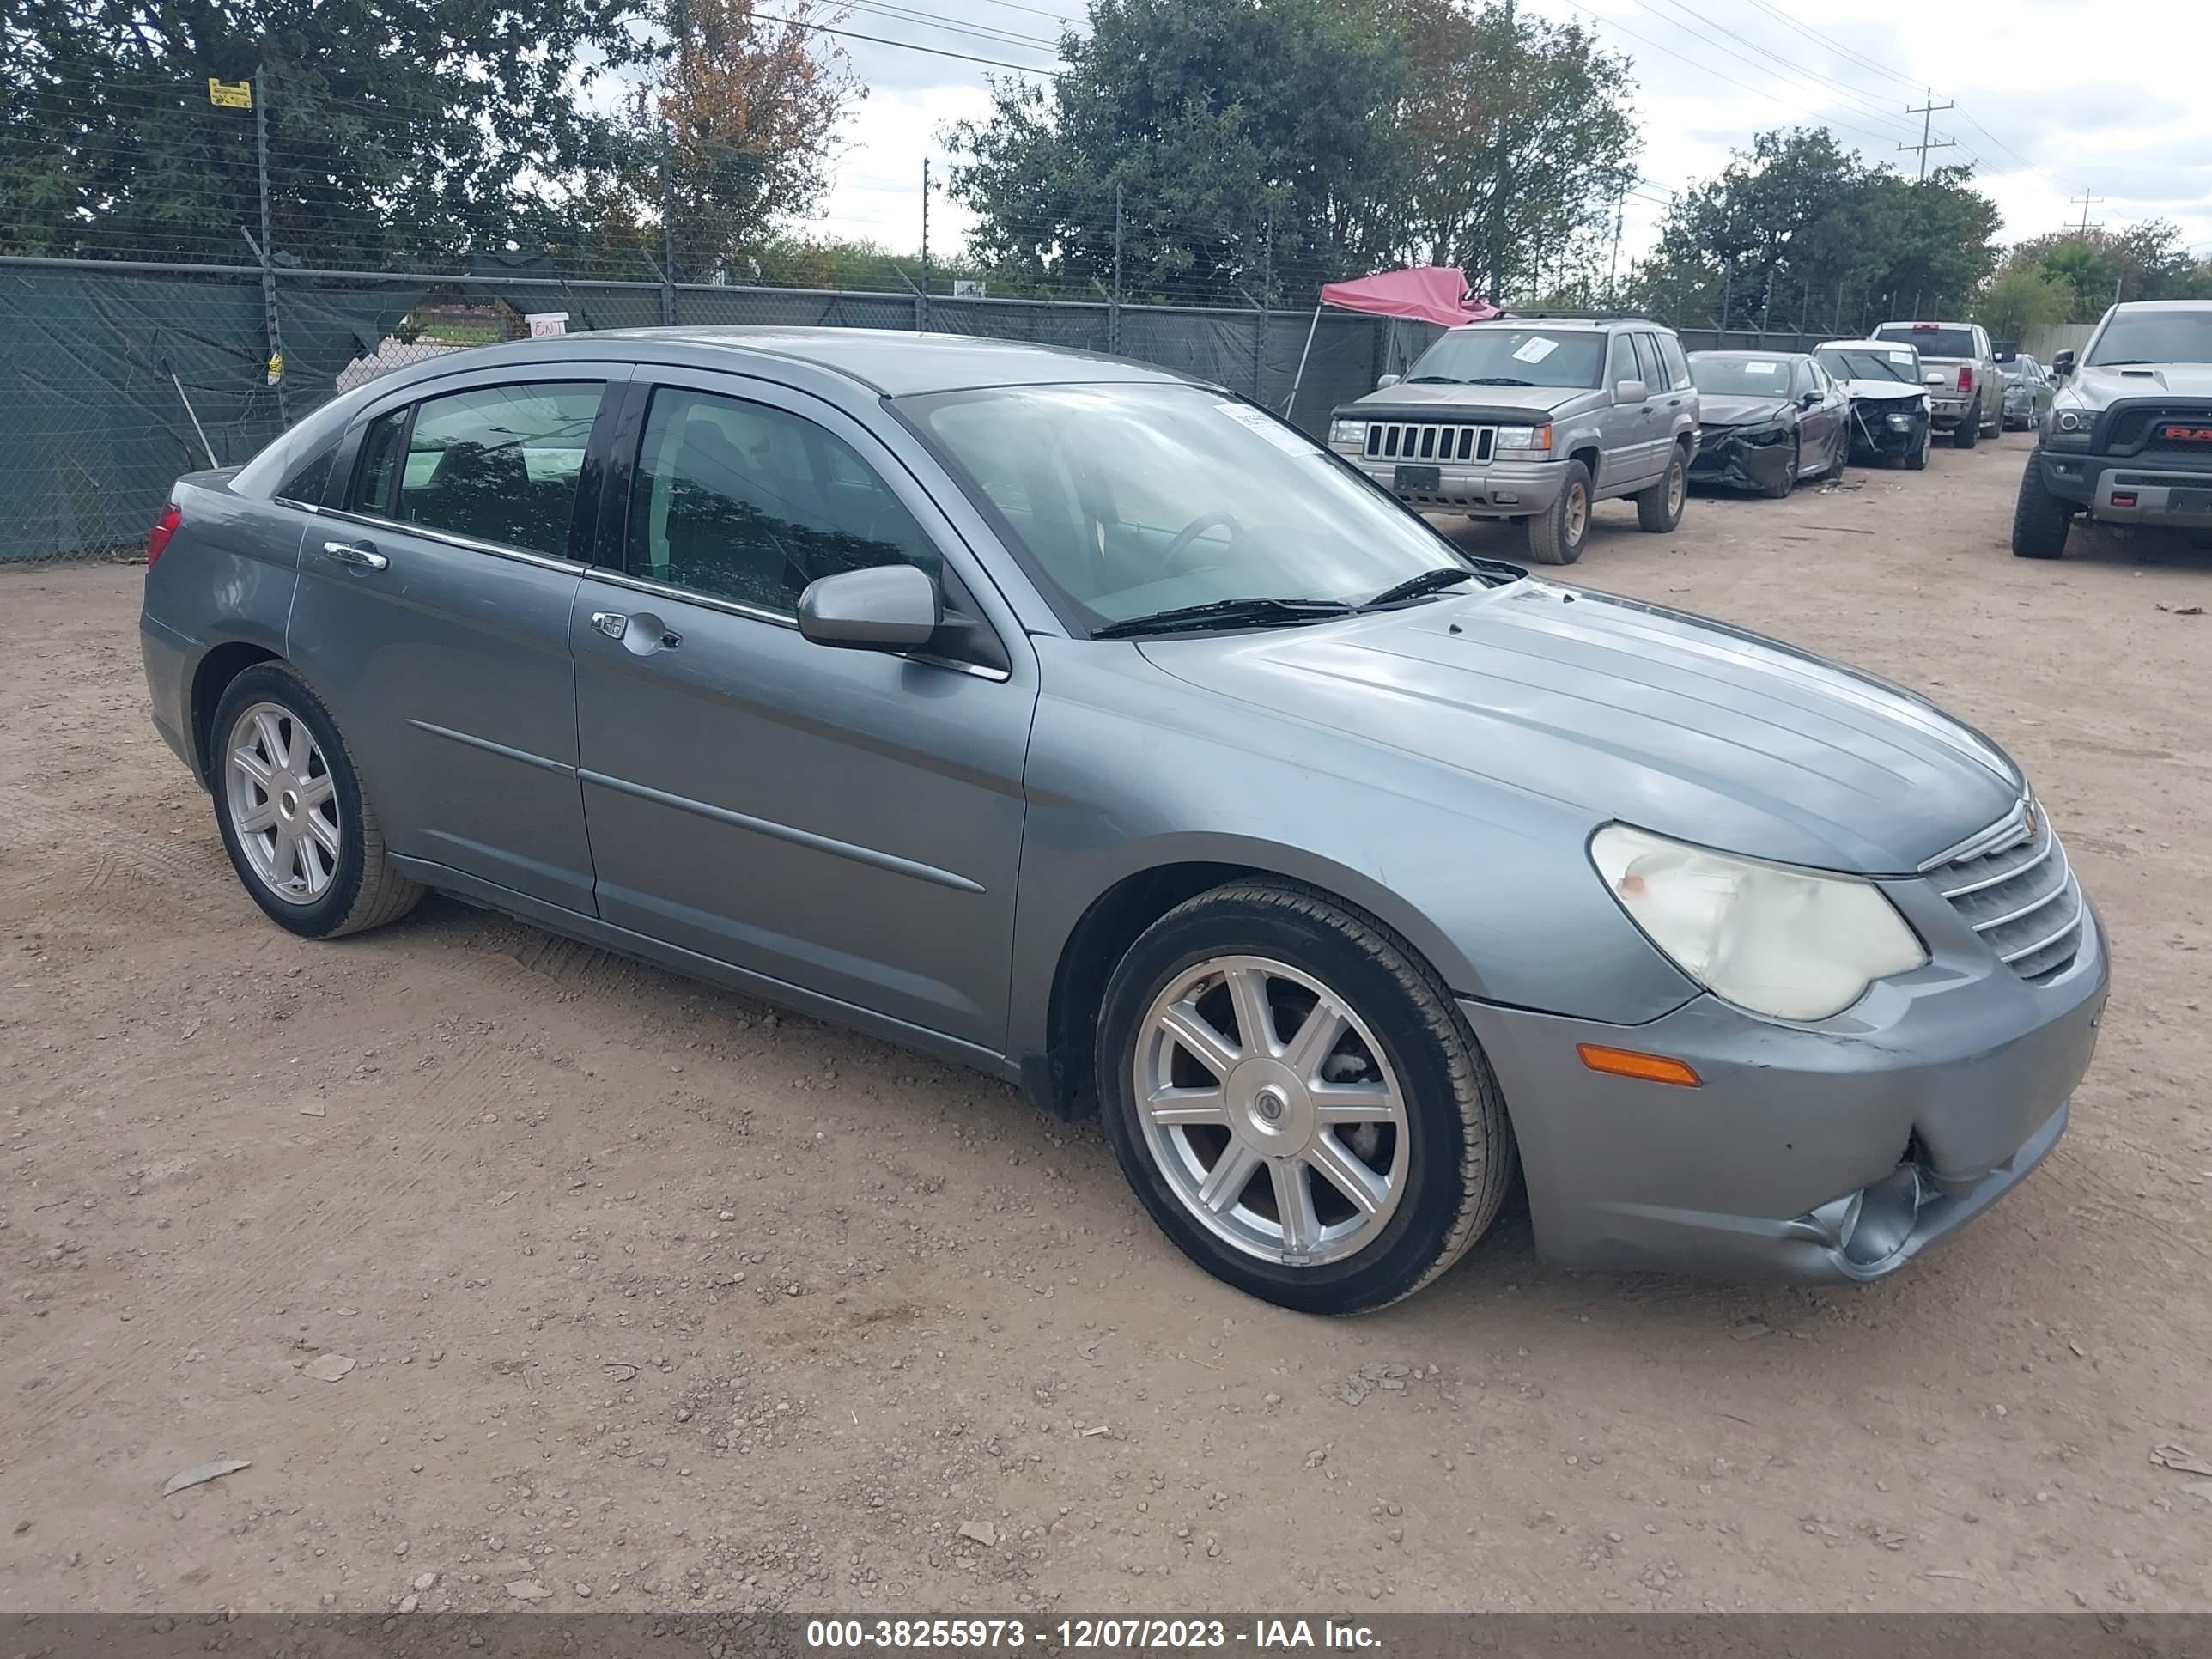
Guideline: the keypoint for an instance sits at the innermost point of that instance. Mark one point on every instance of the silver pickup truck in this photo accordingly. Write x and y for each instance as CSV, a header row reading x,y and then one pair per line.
x,y
1959,366
1535,419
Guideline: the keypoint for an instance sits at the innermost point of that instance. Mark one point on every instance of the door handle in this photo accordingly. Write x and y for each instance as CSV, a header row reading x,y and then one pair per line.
x,y
612,624
360,558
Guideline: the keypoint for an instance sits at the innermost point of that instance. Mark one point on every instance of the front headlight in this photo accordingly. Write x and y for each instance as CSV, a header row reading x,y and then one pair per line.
x,y
2070,428
1900,422
1787,943
1526,438
1347,432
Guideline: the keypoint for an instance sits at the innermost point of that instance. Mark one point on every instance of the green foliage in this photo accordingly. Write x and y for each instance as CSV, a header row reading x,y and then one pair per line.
x,y
2094,269
401,132
2014,302
1797,230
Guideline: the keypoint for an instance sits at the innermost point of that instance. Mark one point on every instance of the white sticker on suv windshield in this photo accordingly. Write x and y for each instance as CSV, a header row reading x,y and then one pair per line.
x,y
1900,356
1536,349
1762,368
1283,438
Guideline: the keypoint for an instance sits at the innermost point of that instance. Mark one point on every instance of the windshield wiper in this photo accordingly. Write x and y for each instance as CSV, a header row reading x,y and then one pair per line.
x,y
1435,379
1498,379
1224,613
1429,582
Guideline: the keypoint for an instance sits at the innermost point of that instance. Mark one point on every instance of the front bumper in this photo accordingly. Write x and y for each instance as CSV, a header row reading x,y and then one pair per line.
x,y
2157,493
1496,489
1831,1152
1743,457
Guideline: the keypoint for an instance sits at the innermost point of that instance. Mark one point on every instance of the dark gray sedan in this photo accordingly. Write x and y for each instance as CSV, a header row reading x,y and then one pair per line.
x,y
1093,728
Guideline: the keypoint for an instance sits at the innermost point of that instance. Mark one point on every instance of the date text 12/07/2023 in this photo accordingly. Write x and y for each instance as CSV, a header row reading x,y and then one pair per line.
x,y
1114,1634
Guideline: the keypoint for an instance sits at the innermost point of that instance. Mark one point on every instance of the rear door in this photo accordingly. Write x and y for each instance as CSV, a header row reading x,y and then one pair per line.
x,y
433,613
846,821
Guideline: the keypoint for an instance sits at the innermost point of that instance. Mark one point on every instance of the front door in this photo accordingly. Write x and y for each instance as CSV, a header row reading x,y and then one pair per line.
x,y
846,821
1630,428
432,612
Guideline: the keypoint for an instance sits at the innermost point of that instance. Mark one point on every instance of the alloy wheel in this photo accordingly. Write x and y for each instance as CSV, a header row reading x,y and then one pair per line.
x,y
282,803
1576,518
1271,1111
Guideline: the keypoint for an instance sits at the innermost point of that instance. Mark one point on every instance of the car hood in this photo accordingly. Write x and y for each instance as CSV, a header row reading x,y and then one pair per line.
x,y
2100,387
1633,712
1738,409
1419,401
1887,391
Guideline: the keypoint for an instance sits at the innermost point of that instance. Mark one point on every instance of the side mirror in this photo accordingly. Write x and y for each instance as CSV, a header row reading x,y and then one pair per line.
x,y
1383,381
1631,391
2062,362
1810,400
890,607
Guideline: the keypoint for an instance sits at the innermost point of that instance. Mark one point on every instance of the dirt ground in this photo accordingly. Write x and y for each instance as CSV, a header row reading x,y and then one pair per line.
x,y
656,1299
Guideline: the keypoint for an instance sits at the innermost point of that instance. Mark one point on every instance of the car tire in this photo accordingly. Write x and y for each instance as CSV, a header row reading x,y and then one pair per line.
x,y
1916,460
1779,490
1556,536
1968,432
1659,508
1435,1173
2040,520
1835,468
323,869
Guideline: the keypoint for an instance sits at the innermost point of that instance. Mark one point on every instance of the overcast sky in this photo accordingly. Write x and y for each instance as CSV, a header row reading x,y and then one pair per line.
x,y
2055,98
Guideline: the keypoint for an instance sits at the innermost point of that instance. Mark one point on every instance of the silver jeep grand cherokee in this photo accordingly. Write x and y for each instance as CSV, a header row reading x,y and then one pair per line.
x,y
1535,418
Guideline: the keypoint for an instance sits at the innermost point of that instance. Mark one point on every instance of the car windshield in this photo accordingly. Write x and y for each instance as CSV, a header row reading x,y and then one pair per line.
x,y
1493,356
1727,376
1123,500
1871,362
1931,339
2155,336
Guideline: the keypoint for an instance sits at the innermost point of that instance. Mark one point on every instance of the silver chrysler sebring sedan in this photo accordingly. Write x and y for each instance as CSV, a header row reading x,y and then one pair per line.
x,y
1090,726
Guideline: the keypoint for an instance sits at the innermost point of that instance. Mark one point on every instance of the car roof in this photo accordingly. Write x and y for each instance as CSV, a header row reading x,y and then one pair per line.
x,y
1879,345
1510,321
2164,305
895,362
1745,352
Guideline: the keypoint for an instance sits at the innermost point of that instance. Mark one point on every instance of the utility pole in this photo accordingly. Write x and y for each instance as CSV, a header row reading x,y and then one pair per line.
x,y
1613,270
1114,315
1496,227
1260,324
667,226
922,295
1927,113
2088,202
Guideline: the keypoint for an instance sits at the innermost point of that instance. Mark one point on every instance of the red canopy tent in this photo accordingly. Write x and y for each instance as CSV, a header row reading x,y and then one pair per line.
x,y
1428,294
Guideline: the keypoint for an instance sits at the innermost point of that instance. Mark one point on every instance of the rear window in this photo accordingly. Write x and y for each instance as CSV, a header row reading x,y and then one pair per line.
x,y
1933,341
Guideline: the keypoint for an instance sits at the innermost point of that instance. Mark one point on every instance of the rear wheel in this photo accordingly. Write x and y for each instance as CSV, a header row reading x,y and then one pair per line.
x,y
303,837
1297,1101
2039,520
1843,455
1968,432
1556,536
1659,508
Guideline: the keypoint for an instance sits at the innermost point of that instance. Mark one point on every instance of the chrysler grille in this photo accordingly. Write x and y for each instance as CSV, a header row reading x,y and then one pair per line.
x,y
1428,440
2013,887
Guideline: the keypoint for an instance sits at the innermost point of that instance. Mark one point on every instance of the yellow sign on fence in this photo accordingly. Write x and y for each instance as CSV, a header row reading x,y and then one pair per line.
x,y
230,94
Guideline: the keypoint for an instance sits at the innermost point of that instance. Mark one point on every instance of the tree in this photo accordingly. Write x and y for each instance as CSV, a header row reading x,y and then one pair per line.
x,y
2015,302
401,133
1797,231
2144,262
750,104
1215,118
1518,141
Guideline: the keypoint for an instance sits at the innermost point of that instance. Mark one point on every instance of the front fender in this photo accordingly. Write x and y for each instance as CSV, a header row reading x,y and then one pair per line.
x,y
1132,771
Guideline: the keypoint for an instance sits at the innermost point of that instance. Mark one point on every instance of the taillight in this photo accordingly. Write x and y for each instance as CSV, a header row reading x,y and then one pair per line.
x,y
1965,380
157,539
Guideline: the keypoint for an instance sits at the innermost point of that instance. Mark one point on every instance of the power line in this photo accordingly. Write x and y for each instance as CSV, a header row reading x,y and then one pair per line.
x,y
910,45
981,32
1855,97
1834,45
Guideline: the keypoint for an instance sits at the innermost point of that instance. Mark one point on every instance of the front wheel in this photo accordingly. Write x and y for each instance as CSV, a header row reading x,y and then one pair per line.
x,y
1659,508
1296,1098
301,834
1915,458
1557,534
1780,488
2040,520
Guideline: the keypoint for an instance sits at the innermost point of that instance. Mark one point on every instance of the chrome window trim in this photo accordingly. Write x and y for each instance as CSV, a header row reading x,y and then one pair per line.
x,y
446,537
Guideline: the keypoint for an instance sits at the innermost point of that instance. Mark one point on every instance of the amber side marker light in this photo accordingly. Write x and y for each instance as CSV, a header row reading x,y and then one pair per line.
x,y
1626,1062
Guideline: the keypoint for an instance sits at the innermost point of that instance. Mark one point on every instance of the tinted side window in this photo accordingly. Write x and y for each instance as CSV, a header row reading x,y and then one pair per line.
x,y
1621,365
1648,370
379,464
750,503
500,464
1678,366
311,478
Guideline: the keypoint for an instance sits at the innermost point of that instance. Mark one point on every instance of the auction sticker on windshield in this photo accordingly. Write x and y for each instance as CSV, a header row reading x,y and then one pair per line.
x,y
1536,349
1762,368
1273,431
